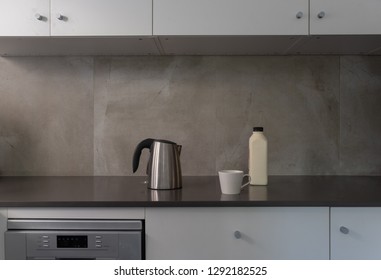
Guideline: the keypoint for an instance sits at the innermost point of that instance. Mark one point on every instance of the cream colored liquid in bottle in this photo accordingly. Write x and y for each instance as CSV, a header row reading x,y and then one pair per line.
x,y
258,157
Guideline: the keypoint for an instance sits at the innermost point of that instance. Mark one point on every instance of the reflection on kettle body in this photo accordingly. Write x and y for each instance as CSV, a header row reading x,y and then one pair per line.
x,y
157,195
163,169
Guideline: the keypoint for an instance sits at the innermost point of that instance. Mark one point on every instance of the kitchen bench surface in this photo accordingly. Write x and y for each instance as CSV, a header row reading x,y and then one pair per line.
x,y
197,191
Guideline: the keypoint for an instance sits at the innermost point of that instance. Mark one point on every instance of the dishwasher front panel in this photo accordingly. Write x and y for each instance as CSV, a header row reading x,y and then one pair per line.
x,y
74,243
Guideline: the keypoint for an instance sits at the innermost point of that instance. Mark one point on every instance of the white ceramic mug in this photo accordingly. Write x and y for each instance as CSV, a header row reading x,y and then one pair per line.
x,y
231,181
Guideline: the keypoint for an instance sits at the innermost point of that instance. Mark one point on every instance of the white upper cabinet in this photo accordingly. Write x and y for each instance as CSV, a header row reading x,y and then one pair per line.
x,y
345,17
101,17
25,18
230,17
189,27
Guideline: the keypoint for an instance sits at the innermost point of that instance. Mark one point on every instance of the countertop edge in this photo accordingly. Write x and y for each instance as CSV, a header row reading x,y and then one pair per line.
x,y
162,204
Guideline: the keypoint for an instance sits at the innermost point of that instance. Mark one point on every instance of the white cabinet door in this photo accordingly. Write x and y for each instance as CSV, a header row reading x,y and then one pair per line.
x,y
237,233
355,233
101,17
345,17
24,18
230,17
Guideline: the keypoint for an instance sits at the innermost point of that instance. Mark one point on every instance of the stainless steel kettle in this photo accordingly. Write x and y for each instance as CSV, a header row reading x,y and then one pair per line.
x,y
163,169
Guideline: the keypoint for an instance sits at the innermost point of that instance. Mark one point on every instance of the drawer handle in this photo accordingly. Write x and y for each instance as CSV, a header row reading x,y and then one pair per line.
x,y
61,17
321,14
299,15
39,17
237,234
344,230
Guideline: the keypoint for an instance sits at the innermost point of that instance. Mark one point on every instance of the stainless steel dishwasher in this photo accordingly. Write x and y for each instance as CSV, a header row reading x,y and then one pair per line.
x,y
74,239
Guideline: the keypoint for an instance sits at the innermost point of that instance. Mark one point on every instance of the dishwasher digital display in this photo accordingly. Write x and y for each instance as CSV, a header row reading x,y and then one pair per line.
x,y
72,241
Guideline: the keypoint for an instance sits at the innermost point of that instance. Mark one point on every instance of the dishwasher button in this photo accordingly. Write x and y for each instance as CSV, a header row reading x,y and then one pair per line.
x,y
45,241
98,237
98,246
45,245
98,241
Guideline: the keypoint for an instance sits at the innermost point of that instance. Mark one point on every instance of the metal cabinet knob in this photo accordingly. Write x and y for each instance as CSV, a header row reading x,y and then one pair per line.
x,y
321,14
237,234
299,15
344,230
39,17
60,17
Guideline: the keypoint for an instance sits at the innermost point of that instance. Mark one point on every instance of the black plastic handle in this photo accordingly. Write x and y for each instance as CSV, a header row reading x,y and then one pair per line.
x,y
147,143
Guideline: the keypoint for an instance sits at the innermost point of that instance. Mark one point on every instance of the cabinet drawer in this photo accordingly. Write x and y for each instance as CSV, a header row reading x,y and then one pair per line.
x,y
237,233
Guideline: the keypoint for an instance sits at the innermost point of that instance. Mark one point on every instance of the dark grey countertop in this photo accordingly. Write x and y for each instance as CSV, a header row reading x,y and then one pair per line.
x,y
197,191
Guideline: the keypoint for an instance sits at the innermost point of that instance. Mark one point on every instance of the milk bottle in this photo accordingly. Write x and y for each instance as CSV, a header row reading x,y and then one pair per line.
x,y
258,157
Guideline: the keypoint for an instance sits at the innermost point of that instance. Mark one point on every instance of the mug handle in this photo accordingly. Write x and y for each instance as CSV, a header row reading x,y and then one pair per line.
x,y
248,183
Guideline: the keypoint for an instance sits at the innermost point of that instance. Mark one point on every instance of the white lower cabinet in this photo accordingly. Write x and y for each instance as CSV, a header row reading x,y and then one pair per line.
x,y
237,233
355,233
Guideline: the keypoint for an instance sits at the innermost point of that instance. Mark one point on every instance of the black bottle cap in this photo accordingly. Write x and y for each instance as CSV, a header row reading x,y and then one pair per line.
x,y
257,128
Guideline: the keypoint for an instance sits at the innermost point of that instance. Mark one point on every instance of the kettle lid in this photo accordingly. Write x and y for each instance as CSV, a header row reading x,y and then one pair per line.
x,y
165,141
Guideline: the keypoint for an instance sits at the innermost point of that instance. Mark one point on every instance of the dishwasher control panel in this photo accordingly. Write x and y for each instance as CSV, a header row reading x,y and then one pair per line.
x,y
64,240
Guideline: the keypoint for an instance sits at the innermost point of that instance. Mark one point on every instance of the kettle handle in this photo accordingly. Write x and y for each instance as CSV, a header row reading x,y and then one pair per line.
x,y
138,151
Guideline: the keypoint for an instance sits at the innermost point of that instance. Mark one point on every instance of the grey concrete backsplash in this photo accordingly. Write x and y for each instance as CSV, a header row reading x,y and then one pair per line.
x,y
85,115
